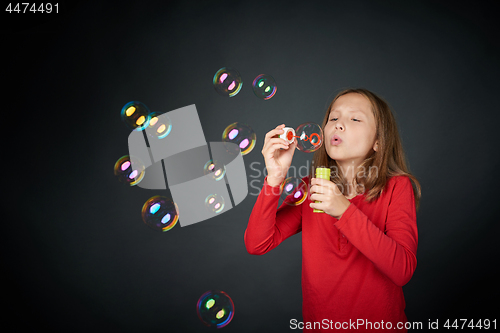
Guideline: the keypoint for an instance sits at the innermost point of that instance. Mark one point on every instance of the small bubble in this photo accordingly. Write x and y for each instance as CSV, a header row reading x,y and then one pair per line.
x,y
227,82
215,308
293,191
136,115
215,203
241,134
159,126
264,86
160,213
129,170
216,169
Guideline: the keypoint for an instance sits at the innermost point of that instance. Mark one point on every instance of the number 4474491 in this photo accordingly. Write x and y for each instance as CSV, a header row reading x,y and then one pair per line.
x,y
463,323
26,7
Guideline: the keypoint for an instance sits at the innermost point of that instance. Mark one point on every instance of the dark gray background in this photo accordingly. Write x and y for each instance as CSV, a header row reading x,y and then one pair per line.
x,y
76,256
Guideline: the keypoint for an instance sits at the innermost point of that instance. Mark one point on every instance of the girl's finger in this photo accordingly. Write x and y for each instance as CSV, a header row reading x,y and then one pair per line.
x,y
320,197
318,181
270,142
277,131
273,147
315,205
277,146
318,188
278,140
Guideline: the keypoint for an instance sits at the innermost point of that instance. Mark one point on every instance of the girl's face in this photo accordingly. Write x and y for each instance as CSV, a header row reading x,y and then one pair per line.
x,y
350,130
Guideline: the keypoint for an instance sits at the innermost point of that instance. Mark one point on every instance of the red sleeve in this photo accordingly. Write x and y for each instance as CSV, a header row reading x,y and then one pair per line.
x,y
268,226
393,252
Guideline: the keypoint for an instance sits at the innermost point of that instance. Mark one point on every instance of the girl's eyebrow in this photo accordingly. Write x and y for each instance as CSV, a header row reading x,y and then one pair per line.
x,y
350,111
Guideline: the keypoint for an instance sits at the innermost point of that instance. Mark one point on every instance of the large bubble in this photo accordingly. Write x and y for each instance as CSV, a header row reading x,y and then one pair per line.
x,y
309,137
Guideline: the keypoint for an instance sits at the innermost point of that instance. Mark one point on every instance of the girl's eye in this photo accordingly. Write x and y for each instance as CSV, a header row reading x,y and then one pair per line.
x,y
335,119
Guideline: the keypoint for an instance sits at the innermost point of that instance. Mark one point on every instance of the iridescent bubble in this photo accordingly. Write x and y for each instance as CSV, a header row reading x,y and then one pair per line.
x,y
264,86
241,134
227,82
309,137
215,168
215,203
293,191
160,213
129,170
159,125
215,308
136,115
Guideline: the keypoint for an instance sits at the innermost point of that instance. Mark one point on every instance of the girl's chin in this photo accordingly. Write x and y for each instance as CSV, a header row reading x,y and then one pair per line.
x,y
334,153
339,157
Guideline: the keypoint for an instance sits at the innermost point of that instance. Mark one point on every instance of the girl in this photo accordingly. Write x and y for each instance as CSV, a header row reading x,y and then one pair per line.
x,y
359,253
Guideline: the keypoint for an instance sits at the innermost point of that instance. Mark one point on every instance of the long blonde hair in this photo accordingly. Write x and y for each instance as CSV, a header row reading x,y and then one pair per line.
x,y
389,160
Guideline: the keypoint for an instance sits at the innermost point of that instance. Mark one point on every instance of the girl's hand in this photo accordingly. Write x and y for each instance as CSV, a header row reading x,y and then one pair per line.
x,y
333,202
277,161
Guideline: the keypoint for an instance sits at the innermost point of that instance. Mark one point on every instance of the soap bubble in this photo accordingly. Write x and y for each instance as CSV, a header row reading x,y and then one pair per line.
x,y
241,134
309,137
160,213
136,115
264,86
159,125
129,170
227,82
215,308
215,203
215,168
293,191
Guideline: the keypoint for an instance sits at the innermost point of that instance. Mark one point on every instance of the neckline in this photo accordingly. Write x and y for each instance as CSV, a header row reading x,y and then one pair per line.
x,y
355,196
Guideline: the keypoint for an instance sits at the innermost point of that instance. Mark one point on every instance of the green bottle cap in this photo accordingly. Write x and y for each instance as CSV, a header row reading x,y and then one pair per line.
x,y
323,173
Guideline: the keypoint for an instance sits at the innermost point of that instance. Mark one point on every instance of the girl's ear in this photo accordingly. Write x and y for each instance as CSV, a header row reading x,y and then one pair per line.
x,y
375,146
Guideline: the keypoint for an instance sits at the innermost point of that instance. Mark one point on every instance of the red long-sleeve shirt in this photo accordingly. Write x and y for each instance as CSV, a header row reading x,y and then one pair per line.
x,y
352,268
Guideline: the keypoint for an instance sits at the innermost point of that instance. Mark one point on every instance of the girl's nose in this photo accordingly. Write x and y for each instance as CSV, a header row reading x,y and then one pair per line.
x,y
339,126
